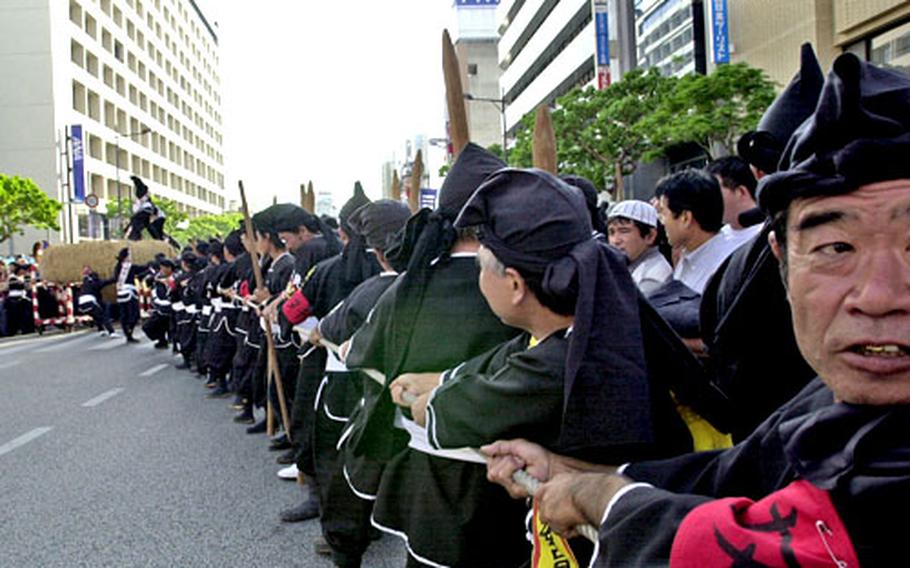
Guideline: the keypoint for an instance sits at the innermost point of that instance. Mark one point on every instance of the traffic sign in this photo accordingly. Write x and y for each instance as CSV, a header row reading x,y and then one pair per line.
x,y
91,200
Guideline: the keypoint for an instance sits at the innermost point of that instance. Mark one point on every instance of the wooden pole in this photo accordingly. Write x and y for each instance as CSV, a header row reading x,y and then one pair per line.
x,y
273,370
416,177
544,141
310,198
303,195
458,118
396,187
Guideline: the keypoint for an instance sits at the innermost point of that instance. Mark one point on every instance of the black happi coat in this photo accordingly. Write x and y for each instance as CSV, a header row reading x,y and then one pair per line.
x,y
453,324
871,483
747,327
517,389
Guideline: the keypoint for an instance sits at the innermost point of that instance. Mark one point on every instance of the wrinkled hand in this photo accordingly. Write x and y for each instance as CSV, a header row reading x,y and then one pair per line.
x,y
572,499
507,457
416,384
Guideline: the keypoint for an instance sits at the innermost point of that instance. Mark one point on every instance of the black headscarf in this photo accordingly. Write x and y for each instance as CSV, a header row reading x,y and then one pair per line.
x,y
763,146
607,402
858,135
358,263
378,222
233,243
358,200
431,235
141,189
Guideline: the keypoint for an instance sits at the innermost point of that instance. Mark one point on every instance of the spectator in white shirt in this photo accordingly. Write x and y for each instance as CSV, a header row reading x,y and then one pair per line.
x,y
632,228
691,210
742,218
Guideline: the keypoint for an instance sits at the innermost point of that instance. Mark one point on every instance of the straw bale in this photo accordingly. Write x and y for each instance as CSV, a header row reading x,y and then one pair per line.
x,y
63,263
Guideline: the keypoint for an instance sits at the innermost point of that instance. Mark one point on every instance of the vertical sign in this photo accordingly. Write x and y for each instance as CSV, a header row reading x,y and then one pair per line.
x,y
602,25
78,163
720,31
428,198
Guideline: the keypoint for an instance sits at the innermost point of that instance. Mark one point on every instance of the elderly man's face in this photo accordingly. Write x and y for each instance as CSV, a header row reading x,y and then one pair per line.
x,y
849,287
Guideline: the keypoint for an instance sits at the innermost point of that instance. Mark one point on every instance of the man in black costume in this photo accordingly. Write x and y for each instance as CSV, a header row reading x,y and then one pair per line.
x,y
815,482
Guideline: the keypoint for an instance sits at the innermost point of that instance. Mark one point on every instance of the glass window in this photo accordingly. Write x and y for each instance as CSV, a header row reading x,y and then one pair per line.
x,y
892,48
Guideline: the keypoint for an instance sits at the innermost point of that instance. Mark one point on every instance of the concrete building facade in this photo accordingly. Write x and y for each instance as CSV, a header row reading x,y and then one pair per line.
x,y
141,78
546,48
768,34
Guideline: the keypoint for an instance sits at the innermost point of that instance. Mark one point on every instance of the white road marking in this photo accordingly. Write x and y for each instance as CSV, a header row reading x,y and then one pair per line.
x,y
9,347
23,439
102,397
8,364
109,344
64,344
153,370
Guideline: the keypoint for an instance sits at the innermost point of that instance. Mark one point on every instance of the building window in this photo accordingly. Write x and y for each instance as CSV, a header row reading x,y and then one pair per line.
x,y
472,69
890,48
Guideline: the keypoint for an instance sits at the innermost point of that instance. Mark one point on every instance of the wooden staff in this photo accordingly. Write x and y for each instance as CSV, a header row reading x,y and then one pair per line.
x,y
458,117
273,370
396,187
544,141
303,195
310,198
416,176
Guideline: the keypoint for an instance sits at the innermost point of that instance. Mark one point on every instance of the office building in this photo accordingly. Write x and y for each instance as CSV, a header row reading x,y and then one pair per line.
x,y
139,78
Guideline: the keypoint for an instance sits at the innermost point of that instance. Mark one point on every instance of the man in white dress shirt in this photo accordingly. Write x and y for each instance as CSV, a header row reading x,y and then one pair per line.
x,y
632,228
691,210
742,218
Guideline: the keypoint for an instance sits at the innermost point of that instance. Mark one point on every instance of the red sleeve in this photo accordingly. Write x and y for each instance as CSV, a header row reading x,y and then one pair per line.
x,y
244,288
795,526
296,308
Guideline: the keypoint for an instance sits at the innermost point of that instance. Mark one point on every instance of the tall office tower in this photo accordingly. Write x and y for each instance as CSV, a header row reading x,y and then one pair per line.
x,y
97,90
546,48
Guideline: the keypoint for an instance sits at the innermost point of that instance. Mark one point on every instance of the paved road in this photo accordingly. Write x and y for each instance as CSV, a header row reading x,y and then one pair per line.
x,y
109,456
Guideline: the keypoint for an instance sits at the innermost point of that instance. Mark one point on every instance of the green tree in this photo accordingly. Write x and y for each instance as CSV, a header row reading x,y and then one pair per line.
x,y
206,226
23,203
598,132
712,111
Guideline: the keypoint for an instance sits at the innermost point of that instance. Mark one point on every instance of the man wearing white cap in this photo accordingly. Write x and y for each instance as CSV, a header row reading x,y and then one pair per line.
x,y
632,228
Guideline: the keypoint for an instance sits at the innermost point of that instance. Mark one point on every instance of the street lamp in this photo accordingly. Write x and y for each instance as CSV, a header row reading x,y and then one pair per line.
x,y
144,130
501,105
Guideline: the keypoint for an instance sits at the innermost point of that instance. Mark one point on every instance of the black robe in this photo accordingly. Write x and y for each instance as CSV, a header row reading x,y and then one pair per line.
x,y
453,324
344,517
641,526
747,327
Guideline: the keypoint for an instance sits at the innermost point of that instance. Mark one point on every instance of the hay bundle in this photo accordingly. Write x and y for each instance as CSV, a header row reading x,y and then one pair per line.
x,y
63,264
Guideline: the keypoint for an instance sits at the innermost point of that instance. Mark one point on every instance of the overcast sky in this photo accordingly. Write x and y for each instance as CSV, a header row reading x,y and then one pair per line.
x,y
326,90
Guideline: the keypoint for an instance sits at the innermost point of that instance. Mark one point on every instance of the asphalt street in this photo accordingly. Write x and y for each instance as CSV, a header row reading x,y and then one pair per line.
x,y
109,456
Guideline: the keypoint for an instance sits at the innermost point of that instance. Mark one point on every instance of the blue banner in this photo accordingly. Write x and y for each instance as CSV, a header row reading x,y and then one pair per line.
x,y
476,2
602,23
78,163
721,30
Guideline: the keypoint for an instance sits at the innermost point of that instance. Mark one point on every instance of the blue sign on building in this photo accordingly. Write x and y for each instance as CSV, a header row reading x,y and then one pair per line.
x,y
721,31
602,23
78,163
476,2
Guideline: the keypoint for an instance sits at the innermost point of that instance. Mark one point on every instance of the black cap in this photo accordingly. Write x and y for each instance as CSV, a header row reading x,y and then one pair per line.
x,y
379,221
288,217
472,167
358,200
763,146
233,244
858,135
168,263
